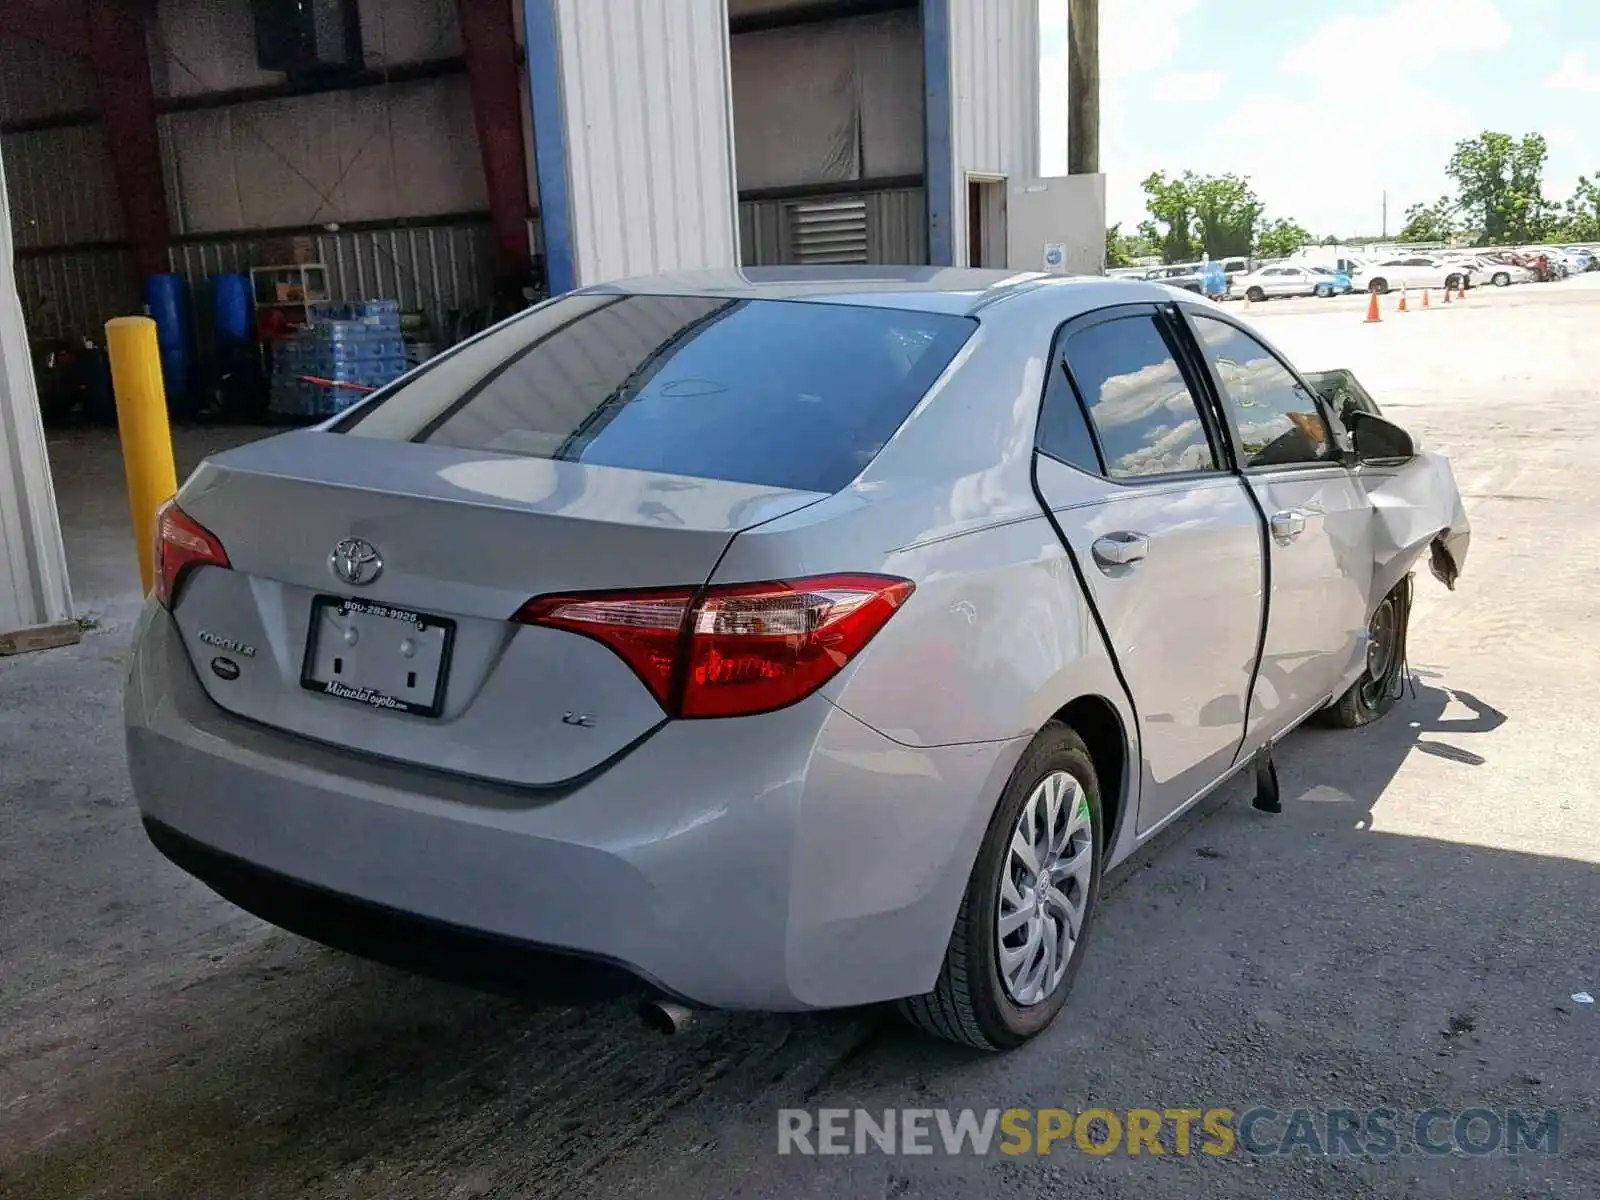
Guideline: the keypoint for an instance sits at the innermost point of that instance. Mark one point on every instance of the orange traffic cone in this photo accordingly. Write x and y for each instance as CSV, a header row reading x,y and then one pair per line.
x,y
1426,303
1373,315
1401,307
1447,295
1463,295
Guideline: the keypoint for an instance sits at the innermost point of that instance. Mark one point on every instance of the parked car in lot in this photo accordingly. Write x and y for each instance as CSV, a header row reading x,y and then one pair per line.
x,y
1204,278
1335,282
1412,271
781,640
1286,279
1543,268
1493,270
1587,257
1569,262
1232,268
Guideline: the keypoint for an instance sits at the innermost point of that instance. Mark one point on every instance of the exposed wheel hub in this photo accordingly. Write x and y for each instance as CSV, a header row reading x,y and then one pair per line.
x,y
1383,644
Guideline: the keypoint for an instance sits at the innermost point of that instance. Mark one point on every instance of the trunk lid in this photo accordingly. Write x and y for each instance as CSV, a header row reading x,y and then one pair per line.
x,y
464,538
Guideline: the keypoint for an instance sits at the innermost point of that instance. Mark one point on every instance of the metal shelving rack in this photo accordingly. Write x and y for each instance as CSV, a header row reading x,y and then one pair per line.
x,y
290,286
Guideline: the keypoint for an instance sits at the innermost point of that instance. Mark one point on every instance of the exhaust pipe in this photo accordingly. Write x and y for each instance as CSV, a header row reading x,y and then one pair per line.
x,y
665,1017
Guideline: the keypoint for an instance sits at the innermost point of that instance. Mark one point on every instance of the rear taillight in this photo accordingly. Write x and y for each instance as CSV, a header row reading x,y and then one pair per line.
x,y
734,649
182,543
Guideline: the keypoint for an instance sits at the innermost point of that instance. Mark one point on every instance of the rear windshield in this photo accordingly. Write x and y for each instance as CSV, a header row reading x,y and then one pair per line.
x,y
778,393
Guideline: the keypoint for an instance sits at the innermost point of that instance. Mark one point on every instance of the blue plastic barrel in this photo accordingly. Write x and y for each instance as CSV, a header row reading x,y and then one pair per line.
x,y
232,309
166,298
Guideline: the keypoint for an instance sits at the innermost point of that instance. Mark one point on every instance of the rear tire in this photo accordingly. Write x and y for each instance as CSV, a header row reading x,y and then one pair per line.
x,y
1255,295
1383,681
1501,279
1380,285
971,1004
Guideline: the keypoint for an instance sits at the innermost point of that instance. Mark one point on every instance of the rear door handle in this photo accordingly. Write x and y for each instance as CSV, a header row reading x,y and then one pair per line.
x,y
1288,524
1120,549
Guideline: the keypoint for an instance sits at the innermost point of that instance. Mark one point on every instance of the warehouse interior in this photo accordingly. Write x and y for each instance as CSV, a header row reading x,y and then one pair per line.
x,y
259,174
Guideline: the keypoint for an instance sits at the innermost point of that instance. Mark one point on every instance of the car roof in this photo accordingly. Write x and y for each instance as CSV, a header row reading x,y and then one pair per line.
x,y
961,291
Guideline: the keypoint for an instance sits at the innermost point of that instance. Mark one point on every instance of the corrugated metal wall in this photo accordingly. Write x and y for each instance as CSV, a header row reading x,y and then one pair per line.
x,y
895,223
396,152
378,153
61,192
372,154
994,84
658,193
75,292
210,45
36,81
61,187
435,269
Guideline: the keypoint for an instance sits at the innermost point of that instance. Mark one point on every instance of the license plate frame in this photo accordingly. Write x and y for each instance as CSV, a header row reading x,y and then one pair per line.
x,y
367,696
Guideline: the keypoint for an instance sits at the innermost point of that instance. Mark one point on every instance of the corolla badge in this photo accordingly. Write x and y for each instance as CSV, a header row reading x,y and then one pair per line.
x,y
356,562
243,649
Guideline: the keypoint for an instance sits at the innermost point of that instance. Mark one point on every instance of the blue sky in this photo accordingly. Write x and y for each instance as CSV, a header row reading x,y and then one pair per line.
x,y
1327,103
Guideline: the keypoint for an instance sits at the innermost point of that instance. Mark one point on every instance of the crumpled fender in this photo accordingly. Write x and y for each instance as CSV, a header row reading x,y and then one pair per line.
x,y
1416,508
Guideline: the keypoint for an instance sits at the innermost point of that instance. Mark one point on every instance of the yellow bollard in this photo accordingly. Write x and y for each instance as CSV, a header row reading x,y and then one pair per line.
x,y
143,428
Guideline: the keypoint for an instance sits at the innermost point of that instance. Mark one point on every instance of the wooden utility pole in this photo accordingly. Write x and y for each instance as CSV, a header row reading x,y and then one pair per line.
x,y
1083,87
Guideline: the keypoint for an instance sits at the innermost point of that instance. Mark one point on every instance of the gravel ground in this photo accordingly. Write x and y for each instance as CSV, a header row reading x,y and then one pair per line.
x,y
1409,933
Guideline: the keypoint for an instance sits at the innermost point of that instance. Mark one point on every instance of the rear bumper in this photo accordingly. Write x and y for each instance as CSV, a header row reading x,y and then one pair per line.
x,y
488,962
794,860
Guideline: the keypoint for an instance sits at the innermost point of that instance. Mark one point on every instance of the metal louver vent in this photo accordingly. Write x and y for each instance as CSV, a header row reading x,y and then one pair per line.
x,y
828,231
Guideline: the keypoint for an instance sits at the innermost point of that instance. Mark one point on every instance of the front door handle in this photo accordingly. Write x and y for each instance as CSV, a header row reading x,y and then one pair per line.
x,y
1121,549
1288,524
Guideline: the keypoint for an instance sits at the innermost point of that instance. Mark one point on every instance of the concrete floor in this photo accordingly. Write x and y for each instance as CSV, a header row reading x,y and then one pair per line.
x,y
1409,933
92,499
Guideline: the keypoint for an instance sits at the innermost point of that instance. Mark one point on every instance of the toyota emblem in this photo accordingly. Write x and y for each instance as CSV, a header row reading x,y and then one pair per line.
x,y
356,562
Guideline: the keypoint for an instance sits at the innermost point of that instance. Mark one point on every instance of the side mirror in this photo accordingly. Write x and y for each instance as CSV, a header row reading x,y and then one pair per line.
x,y
1378,439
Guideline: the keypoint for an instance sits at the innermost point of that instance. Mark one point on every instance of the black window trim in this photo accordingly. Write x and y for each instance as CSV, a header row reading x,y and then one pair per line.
x,y
1236,445
1217,438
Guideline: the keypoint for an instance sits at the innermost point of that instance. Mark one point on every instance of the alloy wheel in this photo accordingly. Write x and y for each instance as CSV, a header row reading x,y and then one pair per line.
x,y
1044,889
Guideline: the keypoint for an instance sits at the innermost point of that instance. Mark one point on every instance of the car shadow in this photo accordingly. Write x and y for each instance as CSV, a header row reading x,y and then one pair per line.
x,y
1296,959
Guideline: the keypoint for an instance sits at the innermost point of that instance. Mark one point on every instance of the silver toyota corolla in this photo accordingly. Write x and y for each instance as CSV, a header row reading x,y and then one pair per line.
x,y
777,640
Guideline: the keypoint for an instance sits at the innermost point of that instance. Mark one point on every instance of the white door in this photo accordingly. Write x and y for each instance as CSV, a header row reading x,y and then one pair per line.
x,y
1319,527
1296,282
1168,540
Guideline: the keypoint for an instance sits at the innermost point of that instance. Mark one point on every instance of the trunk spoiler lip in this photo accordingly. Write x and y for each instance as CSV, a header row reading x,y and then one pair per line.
x,y
508,482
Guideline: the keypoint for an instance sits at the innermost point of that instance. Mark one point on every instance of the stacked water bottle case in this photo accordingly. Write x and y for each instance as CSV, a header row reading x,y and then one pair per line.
x,y
357,345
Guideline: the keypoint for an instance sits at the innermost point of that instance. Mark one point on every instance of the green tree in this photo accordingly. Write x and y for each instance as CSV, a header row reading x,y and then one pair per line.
x,y
1123,248
1281,238
1171,205
1501,186
1429,222
1581,221
1116,247
1226,212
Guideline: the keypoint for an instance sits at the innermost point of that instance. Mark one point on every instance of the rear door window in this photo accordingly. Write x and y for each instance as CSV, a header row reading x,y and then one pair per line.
x,y
1146,420
791,394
